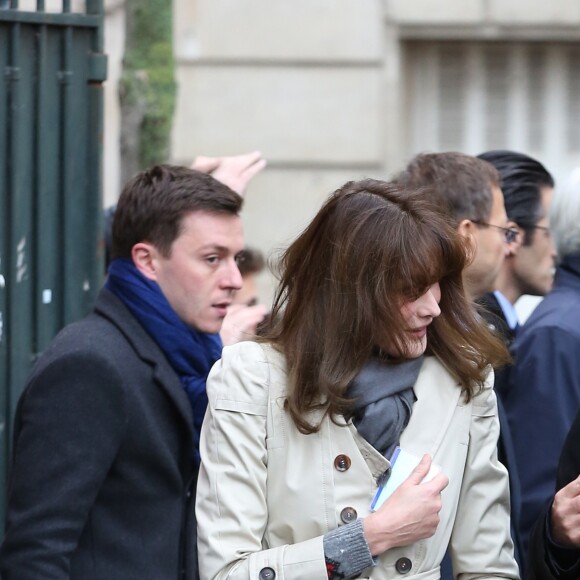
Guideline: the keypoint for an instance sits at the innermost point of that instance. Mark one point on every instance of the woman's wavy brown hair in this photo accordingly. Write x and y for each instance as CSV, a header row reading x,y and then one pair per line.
x,y
372,246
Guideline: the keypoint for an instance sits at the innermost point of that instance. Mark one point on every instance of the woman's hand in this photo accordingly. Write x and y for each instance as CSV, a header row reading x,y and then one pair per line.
x,y
410,514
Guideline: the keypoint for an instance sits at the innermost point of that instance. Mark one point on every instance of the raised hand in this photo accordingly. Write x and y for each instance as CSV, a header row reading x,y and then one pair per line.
x,y
240,322
235,171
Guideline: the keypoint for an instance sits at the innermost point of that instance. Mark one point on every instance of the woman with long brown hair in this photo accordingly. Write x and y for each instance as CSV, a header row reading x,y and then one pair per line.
x,y
374,353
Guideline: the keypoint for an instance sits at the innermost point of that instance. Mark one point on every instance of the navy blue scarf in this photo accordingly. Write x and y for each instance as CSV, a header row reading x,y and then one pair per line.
x,y
190,353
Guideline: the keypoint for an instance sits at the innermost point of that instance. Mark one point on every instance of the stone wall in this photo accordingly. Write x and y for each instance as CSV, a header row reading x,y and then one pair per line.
x,y
318,87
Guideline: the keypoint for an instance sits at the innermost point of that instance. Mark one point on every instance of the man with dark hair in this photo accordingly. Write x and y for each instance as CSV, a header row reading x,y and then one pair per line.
x,y
554,544
106,433
528,268
468,189
543,395
529,265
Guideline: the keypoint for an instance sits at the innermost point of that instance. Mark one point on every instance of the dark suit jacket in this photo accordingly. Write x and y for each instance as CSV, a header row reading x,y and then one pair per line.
x,y
493,314
102,473
546,561
495,318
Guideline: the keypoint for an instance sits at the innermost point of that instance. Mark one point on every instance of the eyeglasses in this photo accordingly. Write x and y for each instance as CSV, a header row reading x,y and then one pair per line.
x,y
511,234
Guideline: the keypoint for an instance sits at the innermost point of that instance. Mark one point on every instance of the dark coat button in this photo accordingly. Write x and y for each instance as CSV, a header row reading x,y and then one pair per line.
x,y
403,565
348,515
267,574
342,462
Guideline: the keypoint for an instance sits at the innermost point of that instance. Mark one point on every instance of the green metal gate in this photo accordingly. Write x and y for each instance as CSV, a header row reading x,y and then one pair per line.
x,y
51,120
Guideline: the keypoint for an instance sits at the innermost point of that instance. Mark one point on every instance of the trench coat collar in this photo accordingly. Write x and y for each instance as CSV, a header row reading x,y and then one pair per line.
x,y
422,433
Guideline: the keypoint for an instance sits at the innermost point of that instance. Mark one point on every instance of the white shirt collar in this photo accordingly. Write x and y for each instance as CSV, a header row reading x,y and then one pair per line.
x,y
507,308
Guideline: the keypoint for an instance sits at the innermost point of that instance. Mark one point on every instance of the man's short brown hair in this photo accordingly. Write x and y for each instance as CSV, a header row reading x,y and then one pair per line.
x,y
461,183
153,204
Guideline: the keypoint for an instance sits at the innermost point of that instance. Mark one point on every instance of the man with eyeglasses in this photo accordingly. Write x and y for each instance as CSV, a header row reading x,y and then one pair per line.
x,y
468,189
527,269
543,394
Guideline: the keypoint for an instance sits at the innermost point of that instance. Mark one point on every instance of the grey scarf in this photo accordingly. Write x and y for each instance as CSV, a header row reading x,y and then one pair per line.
x,y
383,399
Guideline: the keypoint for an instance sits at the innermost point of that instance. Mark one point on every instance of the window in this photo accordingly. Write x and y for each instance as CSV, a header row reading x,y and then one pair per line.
x,y
475,96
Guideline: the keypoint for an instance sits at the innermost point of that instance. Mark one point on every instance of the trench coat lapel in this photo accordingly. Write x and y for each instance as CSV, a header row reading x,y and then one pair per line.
x,y
437,397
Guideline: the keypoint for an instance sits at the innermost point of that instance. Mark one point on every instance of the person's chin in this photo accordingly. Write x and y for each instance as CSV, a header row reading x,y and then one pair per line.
x,y
215,328
208,326
541,288
417,349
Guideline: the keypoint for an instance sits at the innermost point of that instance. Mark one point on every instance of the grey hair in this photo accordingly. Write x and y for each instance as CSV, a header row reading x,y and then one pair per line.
x,y
565,217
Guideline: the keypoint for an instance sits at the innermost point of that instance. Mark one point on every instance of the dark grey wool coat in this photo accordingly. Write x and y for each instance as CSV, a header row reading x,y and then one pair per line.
x,y
102,479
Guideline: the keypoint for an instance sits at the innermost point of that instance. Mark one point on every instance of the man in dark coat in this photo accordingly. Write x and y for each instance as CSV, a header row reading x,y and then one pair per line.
x,y
105,442
544,388
554,548
528,268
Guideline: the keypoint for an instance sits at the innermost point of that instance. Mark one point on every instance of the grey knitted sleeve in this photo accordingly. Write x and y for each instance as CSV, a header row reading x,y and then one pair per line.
x,y
346,551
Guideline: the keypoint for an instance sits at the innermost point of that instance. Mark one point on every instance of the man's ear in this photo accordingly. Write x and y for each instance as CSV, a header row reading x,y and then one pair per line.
x,y
145,259
467,229
511,248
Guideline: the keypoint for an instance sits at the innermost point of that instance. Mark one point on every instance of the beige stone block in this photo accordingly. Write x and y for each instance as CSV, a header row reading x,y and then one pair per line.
x,y
278,29
540,12
114,47
279,205
292,114
417,12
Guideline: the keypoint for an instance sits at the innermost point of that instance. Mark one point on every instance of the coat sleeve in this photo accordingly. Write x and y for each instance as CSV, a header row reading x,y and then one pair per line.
x,y
232,503
541,405
545,559
69,426
481,545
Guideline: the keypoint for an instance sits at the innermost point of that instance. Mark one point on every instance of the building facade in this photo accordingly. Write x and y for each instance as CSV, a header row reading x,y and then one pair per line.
x,y
332,90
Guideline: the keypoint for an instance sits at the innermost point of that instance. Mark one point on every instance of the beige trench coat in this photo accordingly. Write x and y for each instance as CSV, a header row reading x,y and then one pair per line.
x,y
267,493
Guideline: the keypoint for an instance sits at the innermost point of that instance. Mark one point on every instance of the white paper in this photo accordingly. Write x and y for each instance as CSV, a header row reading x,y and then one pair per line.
x,y
402,465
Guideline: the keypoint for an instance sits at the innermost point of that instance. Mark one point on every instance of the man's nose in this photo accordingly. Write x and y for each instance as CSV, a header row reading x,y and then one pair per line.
x,y
233,278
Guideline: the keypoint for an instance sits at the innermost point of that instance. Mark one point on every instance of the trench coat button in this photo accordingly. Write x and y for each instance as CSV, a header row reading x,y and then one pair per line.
x,y
342,462
403,565
348,515
267,574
